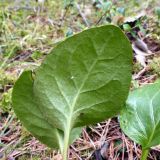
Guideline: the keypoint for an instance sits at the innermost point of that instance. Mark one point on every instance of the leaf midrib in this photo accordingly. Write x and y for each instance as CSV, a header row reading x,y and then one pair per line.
x,y
78,92
152,117
155,124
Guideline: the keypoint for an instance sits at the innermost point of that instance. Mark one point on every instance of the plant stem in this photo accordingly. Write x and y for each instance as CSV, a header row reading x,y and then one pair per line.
x,y
65,149
144,154
66,141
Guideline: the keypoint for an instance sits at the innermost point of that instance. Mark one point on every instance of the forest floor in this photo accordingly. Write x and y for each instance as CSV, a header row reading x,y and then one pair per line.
x,y
27,35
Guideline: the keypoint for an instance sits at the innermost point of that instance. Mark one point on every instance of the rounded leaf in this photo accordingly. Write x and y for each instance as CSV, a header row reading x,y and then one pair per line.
x,y
140,120
85,79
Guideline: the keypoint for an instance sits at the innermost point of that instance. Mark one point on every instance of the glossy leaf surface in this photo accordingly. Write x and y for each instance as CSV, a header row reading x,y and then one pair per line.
x,y
140,120
84,80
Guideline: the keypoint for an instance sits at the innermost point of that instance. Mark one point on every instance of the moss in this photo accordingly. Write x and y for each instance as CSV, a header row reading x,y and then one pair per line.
x,y
137,67
155,65
7,78
27,157
5,101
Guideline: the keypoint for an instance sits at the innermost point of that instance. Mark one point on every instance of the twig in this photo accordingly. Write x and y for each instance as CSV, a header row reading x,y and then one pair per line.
x,y
102,14
74,152
89,139
64,14
140,73
101,17
82,15
105,132
6,125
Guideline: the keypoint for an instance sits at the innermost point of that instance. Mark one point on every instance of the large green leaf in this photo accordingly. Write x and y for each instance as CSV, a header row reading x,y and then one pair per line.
x,y
140,120
84,80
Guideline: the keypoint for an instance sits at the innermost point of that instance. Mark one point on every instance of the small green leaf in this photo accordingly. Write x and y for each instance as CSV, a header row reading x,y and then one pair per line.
x,y
140,120
127,27
36,55
84,80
